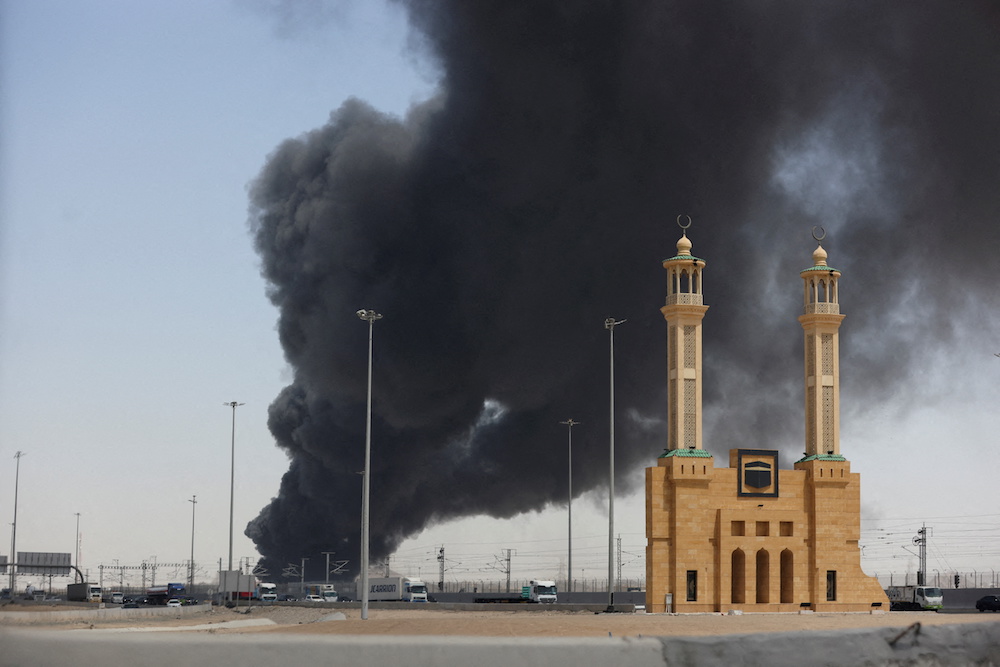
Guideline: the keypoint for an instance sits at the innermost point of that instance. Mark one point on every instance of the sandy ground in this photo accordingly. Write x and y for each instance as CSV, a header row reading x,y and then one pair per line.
x,y
424,622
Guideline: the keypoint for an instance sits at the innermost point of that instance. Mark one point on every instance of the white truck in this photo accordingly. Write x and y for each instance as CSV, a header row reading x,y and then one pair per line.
x,y
267,592
539,591
322,593
83,593
915,598
406,589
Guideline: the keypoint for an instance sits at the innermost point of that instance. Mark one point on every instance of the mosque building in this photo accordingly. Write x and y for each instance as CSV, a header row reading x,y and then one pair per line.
x,y
753,536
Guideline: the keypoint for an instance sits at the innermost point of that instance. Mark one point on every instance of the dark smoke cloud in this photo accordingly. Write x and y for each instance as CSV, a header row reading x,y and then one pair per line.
x,y
497,226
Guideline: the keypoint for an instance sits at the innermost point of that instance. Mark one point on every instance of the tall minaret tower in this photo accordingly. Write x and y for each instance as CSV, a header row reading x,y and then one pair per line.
x,y
684,311
821,323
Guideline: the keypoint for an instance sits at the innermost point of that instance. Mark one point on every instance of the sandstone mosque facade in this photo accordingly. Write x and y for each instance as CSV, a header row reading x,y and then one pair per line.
x,y
753,536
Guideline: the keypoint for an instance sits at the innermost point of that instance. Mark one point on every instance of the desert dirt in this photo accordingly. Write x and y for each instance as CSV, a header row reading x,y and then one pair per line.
x,y
547,623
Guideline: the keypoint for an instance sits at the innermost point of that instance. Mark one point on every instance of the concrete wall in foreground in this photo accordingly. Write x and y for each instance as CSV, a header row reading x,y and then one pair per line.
x,y
938,646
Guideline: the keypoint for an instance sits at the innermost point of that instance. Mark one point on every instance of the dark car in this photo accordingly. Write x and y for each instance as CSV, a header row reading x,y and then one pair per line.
x,y
988,603
287,598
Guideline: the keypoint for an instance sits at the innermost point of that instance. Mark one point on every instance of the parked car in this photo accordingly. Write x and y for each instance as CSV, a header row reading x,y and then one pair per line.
x,y
989,602
284,597
174,602
314,598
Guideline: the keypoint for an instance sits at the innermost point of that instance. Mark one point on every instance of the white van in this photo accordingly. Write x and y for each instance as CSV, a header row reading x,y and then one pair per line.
x,y
117,598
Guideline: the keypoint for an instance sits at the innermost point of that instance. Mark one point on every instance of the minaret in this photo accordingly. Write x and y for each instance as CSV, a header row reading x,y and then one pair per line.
x,y
821,323
684,311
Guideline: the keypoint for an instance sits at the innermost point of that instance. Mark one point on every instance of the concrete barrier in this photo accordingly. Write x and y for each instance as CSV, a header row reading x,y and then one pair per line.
x,y
957,645
91,614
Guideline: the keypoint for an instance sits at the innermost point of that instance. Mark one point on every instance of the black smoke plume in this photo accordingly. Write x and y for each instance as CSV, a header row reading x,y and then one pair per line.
x,y
496,227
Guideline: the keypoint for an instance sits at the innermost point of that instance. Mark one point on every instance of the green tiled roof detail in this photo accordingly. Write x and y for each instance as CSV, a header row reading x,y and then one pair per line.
x,y
819,268
822,457
688,257
689,453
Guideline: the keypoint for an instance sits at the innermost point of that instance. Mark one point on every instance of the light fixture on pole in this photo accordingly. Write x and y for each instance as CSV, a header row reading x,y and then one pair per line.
x,y
13,526
610,325
194,502
569,531
369,316
232,486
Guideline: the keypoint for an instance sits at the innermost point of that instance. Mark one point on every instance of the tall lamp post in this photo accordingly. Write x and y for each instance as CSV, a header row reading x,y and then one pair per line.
x,y
232,486
77,561
13,526
194,502
369,316
610,325
569,532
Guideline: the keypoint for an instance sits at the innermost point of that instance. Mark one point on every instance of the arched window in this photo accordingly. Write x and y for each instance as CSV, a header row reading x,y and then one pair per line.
x,y
763,576
739,577
787,576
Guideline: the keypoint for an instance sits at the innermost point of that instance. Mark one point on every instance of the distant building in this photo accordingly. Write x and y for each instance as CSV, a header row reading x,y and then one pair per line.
x,y
753,536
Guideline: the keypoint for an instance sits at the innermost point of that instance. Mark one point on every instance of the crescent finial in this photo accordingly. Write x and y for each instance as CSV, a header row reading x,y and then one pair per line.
x,y
819,236
683,226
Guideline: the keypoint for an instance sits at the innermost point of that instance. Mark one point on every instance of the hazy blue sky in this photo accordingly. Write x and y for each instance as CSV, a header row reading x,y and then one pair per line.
x,y
131,305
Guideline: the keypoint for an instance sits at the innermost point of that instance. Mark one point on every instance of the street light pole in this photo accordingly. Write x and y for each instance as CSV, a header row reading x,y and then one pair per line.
x,y
77,562
13,526
569,532
194,502
369,316
610,325
232,479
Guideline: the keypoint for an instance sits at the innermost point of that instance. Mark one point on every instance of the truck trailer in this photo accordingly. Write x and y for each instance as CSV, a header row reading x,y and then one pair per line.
x,y
915,598
405,589
83,593
536,591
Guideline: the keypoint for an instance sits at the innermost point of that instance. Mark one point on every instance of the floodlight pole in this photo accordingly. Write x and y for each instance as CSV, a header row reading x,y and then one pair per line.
x,y
369,316
569,531
77,562
232,487
13,526
232,479
194,502
610,325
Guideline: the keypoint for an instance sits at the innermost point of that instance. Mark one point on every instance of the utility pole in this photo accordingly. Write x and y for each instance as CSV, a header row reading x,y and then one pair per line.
x,y
618,583
328,554
507,566
921,541
441,566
